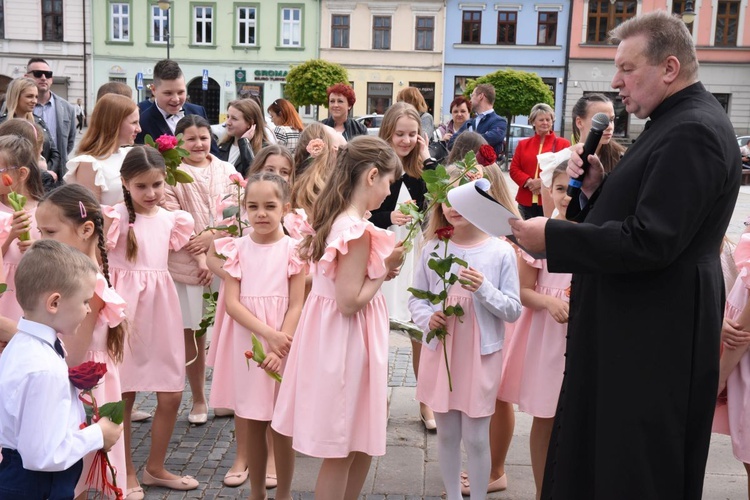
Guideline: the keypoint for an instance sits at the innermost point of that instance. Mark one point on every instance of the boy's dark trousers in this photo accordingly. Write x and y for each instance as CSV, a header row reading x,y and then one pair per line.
x,y
17,483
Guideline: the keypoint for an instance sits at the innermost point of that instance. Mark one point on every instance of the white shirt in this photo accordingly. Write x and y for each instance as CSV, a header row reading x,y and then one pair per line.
x,y
40,413
497,300
171,119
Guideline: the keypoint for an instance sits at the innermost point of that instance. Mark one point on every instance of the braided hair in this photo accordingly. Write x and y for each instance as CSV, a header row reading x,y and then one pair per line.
x,y
77,206
139,160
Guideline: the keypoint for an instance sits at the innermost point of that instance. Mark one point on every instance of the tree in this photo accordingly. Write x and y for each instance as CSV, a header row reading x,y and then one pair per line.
x,y
307,83
516,92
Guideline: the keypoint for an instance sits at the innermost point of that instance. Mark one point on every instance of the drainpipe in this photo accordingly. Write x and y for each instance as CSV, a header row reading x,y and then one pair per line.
x,y
85,70
567,69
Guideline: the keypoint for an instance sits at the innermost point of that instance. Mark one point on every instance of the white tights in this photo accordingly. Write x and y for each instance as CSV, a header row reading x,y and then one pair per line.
x,y
452,428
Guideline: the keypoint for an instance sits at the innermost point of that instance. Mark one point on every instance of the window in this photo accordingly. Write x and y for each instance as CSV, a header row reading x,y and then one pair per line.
x,y
246,25
604,16
52,20
678,7
551,83
340,31
723,100
471,26
506,28
727,21
425,33
381,32
159,25
547,29
621,116
2,19
203,21
119,22
291,27
379,97
459,84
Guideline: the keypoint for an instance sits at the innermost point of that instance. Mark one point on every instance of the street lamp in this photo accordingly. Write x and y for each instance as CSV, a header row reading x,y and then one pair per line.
x,y
688,16
164,5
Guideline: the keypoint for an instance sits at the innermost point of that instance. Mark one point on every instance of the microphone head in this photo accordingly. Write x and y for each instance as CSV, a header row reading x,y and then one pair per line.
x,y
599,122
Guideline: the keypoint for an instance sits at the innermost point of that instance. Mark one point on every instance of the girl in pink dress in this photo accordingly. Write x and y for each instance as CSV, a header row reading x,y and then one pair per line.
x,y
17,165
70,214
333,397
263,295
489,297
734,367
141,235
534,358
211,180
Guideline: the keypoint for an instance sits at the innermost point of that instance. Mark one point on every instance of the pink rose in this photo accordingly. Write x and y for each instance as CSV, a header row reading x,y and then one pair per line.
x,y
166,142
315,147
238,179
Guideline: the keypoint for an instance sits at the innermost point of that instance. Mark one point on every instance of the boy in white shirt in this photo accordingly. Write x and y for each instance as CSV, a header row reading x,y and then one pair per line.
x,y
40,414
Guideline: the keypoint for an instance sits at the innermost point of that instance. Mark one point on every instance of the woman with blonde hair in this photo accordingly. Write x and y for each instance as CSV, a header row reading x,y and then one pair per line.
x,y
113,126
318,161
20,100
246,134
287,121
413,96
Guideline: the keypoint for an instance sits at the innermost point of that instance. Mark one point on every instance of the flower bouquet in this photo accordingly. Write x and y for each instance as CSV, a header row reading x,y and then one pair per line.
x,y
171,149
85,377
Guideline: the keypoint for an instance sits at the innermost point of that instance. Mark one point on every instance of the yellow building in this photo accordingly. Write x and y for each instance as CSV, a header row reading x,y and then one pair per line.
x,y
386,46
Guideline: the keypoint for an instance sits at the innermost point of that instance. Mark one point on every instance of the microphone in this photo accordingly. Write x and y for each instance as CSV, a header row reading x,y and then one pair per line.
x,y
598,124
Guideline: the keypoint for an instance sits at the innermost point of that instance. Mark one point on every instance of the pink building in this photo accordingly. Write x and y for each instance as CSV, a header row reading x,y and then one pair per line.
x,y
721,31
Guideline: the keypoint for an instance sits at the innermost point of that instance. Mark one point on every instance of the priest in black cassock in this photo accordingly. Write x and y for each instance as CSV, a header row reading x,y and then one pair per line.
x,y
641,371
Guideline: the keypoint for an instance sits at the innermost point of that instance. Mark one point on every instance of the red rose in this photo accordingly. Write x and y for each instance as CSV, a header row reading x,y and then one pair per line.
x,y
87,375
486,155
166,142
444,233
249,354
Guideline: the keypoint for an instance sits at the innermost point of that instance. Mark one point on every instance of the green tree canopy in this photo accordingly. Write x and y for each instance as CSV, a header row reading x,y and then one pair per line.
x,y
516,92
307,83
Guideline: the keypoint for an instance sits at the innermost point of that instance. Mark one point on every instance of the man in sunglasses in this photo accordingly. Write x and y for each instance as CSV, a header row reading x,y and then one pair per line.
x,y
58,114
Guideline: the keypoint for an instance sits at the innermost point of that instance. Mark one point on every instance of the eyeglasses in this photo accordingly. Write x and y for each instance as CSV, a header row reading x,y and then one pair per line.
x,y
6,169
38,73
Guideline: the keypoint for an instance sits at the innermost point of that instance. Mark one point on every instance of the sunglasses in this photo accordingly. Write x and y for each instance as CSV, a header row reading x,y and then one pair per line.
x,y
39,73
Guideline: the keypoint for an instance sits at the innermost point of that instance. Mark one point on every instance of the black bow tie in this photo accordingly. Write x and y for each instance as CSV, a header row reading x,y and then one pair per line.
x,y
59,348
176,114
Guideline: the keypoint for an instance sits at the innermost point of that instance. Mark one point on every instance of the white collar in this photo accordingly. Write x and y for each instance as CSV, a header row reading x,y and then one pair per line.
x,y
38,330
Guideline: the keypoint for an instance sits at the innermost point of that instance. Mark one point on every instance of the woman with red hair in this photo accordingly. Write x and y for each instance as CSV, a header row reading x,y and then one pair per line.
x,y
341,98
288,123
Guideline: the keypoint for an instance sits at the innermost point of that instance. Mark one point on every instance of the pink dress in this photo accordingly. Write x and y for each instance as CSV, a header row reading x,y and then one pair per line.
x,y
264,291
8,304
108,390
333,397
733,418
534,355
154,357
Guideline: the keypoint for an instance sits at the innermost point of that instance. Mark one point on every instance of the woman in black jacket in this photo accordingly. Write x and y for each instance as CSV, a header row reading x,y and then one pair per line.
x,y
246,130
341,98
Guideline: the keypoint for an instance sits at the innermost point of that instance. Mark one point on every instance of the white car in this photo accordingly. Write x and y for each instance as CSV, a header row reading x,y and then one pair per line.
x,y
372,122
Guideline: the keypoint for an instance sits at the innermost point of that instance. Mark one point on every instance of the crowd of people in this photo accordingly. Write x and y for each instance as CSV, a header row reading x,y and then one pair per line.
x,y
601,316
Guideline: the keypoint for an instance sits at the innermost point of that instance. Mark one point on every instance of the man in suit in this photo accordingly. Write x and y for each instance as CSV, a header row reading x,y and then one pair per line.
x,y
57,113
647,300
486,122
170,94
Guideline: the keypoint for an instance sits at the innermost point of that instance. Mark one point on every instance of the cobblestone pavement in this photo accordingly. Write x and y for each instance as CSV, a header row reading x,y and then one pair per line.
x,y
409,470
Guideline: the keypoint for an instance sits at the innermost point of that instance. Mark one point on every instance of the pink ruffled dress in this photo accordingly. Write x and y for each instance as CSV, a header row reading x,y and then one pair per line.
x,y
733,418
332,400
263,272
534,354
108,390
8,304
154,357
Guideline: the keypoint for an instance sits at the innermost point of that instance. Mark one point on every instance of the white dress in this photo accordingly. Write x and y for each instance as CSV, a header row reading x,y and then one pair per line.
x,y
106,174
396,295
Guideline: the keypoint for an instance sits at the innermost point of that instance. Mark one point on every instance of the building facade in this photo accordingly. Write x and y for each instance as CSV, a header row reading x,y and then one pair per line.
x,y
721,32
238,48
487,35
59,31
385,46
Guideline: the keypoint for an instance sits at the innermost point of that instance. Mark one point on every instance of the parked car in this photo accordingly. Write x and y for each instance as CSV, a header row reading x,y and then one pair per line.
x,y
372,122
518,132
743,140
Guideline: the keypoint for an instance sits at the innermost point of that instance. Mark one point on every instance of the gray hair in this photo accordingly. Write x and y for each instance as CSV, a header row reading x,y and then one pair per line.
x,y
540,108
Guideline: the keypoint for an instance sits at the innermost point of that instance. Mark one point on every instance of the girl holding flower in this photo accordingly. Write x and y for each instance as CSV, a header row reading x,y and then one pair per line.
x,y
211,180
488,293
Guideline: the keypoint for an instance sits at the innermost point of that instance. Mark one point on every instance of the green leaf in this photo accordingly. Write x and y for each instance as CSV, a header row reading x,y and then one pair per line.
x,y
421,294
440,266
114,411
465,282
182,176
170,179
443,294
458,310
149,140
3,287
449,311
452,279
230,211
458,261
430,335
171,154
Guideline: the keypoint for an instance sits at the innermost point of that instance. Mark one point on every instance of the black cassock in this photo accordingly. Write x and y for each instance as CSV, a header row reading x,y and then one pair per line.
x,y
641,369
